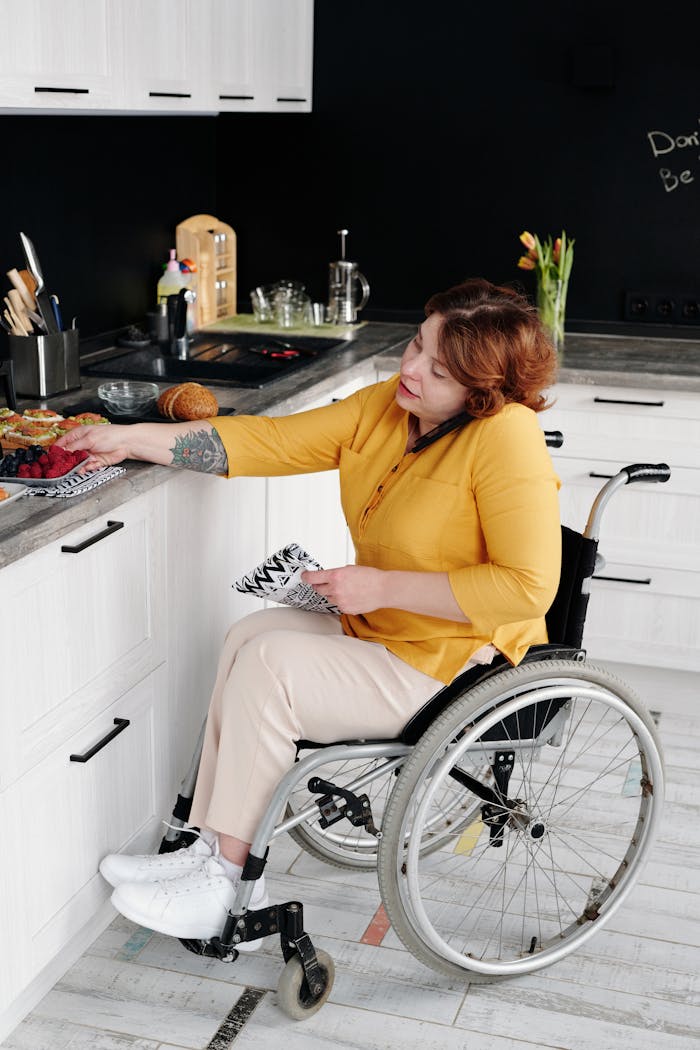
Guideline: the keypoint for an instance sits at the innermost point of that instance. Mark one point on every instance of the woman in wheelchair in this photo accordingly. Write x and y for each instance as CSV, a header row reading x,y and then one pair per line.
x,y
451,500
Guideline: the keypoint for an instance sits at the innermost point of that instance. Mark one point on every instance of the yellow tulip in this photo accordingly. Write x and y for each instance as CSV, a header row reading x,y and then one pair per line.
x,y
528,240
526,263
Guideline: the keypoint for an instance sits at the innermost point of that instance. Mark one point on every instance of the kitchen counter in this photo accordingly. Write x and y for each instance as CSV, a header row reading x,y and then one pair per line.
x,y
32,522
615,360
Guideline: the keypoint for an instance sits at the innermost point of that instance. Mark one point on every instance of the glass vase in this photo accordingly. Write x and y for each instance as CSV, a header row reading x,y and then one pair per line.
x,y
551,306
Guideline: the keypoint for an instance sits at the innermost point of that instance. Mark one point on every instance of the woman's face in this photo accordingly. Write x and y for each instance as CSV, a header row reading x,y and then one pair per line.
x,y
427,389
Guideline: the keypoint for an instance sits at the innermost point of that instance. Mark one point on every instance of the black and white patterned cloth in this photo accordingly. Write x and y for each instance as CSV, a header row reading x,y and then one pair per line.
x,y
278,579
76,484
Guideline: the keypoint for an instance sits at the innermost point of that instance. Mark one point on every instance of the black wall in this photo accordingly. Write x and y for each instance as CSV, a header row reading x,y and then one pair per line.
x,y
439,132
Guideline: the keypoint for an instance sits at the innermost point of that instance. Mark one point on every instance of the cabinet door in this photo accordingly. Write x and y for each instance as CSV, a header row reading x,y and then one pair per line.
x,y
72,813
216,533
165,55
235,53
59,55
285,33
86,624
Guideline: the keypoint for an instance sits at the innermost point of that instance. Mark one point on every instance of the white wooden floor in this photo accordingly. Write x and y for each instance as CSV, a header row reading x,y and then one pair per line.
x,y
635,986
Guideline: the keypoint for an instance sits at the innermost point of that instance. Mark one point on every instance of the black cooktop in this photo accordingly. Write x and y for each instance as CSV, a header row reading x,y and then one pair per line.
x,y
244,359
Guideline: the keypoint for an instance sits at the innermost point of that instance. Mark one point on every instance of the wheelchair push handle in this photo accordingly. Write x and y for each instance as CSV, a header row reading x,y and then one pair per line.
x,y
647,472
625,476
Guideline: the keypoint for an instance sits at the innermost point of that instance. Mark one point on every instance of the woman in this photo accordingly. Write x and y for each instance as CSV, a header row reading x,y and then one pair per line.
x,y
451,500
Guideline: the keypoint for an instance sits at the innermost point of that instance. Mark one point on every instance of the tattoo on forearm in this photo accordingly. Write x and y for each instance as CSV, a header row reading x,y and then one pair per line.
x,y
200,450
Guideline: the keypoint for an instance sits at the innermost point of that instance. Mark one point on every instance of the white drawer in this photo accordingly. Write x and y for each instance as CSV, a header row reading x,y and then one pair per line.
x,y
68,814
633,426
655,622
654,523
80,628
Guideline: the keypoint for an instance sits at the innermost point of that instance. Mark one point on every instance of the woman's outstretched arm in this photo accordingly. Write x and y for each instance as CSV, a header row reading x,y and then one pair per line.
x,y
194,445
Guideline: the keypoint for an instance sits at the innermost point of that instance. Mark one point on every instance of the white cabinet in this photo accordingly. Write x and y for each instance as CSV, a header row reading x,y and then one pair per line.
x,y
261,55
215,533
87,623
165,56
67,814
645,603
85,758
59,55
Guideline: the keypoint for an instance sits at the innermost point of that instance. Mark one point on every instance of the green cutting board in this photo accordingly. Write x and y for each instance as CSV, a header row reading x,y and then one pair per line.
x,y
247,323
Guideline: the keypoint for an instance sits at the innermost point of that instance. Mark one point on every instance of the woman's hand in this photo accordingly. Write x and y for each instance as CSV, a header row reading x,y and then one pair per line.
x,y
106,444
353,588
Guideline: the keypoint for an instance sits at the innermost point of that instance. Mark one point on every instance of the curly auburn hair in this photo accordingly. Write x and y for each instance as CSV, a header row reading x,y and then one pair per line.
x,y
491,341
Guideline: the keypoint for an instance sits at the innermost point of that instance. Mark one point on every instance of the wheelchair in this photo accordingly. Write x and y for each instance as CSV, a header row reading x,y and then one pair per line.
x,y
507,823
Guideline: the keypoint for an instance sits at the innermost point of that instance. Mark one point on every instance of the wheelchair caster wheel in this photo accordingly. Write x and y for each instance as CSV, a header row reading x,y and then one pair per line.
x,y
293,993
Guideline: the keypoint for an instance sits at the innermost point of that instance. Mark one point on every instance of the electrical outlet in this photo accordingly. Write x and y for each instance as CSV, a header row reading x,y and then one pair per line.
x,y
662,308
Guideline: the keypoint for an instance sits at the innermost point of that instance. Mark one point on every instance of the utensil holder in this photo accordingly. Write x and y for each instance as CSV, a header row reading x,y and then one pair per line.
x,y
45,365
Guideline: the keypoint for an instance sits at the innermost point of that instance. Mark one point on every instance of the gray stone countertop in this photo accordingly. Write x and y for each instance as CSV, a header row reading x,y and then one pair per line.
x,y
34,521
616,360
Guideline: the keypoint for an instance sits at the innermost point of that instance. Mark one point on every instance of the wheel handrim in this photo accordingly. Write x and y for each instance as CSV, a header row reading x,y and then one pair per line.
x,y
496,950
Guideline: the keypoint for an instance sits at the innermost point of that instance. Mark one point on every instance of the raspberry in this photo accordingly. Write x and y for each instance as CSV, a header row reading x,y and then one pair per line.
x,y
23,471
35,470
43,460
54,472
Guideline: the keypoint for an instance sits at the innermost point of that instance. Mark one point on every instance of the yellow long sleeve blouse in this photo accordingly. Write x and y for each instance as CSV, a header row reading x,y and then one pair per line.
x,y
479,503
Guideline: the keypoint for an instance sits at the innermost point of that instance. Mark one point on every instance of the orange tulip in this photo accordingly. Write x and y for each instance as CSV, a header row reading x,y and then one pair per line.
x,y
557,250
528,240
526,263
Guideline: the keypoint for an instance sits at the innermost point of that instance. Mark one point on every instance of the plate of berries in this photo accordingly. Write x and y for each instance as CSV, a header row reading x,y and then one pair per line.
x,y
40,466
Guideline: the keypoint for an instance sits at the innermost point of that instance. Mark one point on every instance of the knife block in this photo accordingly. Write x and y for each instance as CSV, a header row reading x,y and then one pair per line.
x,y
211,245
45,365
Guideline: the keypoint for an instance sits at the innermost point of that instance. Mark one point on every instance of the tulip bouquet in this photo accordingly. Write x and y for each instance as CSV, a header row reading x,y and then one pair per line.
x,y
552,262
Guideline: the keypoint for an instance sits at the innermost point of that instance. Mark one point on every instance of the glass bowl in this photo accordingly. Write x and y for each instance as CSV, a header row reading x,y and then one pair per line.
x,y
127,397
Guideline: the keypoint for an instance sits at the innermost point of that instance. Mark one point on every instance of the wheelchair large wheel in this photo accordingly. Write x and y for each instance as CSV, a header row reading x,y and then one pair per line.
x,y
571,830
345,846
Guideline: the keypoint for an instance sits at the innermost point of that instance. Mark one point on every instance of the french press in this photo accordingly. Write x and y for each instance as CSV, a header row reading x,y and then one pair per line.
x,y
345,281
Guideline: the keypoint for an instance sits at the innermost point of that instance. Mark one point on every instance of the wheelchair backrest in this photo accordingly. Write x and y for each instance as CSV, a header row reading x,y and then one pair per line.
x,y
567,614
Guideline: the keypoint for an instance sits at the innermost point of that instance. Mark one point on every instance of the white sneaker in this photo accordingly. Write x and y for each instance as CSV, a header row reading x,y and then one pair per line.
x,y
118,868
191,906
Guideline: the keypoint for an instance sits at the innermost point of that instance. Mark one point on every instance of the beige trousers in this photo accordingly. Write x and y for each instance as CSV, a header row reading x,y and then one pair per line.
x,y
287,675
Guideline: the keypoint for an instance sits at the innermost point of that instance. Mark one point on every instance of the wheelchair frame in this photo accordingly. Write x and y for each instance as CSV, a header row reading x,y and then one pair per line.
x,y
557,675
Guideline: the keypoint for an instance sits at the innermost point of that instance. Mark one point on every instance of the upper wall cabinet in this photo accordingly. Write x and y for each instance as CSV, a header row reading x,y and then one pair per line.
x,y
164,54
59,55
158,56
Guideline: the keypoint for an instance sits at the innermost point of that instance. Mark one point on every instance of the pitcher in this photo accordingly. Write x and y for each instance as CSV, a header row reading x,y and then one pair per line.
x,y
346,285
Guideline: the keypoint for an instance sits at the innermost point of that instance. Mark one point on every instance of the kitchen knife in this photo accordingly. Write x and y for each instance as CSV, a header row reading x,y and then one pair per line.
x,y
43,301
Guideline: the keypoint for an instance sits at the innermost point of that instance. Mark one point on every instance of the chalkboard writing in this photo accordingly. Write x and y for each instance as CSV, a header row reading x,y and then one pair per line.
x,y
663,145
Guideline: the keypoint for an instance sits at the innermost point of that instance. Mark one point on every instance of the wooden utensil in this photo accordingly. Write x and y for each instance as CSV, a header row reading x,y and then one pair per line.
x,y
26,296
29,281
19,309
17,326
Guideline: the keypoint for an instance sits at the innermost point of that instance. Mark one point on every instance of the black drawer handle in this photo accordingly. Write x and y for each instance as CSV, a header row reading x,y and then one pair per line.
x,y
283,99
120,725
239,98
61,91
169,94
624,579
625,401
595,474
112,526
